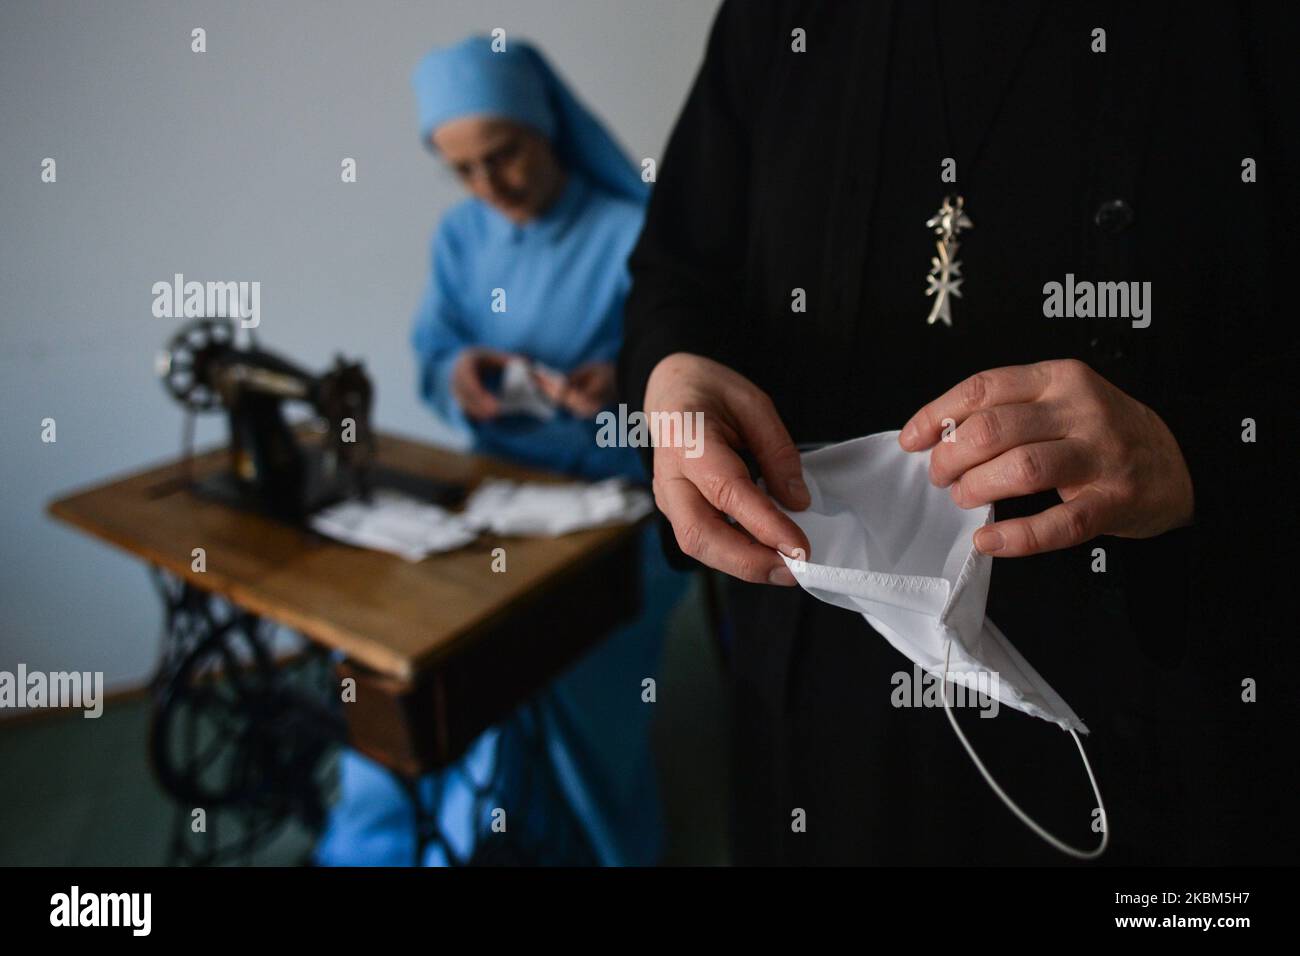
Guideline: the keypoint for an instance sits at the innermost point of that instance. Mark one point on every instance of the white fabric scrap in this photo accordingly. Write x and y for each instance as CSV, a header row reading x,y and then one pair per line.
x,y
411,529
396,523
532,508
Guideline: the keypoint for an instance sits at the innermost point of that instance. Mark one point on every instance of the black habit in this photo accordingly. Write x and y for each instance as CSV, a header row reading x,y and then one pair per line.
x,y
816,170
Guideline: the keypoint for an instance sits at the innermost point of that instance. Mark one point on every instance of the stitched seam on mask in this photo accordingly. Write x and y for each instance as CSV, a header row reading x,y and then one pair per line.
x,y
967,569
896,581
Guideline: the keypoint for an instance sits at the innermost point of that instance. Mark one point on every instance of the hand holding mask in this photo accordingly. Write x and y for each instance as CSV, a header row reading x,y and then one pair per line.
x,y
894,548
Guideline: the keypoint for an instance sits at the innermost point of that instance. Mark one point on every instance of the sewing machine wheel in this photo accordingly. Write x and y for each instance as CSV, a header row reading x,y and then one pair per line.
x,y
181,363
230,732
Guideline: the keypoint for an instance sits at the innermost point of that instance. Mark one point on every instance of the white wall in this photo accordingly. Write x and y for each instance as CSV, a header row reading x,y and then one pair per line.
x,y
225,165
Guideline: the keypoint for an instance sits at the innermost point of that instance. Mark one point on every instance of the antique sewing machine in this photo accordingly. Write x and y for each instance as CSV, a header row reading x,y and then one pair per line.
x,y
242,723
284,470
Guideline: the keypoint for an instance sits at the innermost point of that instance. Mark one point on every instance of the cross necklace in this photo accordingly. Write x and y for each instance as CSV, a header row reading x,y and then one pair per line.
x,y
944,280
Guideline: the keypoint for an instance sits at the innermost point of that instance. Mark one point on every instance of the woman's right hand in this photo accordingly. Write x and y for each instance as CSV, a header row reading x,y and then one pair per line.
x,y
467,381
699,494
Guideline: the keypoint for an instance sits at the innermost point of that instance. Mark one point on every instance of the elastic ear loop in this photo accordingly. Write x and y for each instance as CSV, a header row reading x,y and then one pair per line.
x,y
1011,805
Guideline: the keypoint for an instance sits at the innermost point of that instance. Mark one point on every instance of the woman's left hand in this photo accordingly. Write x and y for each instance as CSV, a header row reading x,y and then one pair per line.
x,y
588,389
1057,425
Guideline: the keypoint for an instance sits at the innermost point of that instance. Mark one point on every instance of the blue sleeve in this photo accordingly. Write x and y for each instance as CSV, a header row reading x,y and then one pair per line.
x,y
437,334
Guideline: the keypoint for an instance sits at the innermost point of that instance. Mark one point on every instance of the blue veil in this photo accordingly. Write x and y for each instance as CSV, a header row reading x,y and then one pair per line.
x,y
469,78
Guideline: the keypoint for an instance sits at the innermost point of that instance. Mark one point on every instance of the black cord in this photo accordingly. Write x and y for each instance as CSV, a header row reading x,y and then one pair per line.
x,y
1002,100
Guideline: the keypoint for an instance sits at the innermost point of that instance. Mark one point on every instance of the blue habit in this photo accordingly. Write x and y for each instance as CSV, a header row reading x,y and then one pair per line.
x,y
570,774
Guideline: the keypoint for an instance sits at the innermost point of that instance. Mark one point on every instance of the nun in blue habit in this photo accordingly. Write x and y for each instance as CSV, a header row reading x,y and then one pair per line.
x,y
531,266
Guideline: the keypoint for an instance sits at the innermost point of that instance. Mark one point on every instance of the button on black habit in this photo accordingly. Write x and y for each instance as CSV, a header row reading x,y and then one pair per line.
x,y
1113,216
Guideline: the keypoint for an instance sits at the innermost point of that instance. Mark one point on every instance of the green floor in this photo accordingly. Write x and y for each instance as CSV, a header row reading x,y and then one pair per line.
x,y
80,792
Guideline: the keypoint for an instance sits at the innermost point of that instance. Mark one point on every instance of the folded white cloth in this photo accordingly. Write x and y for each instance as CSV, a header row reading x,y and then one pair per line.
x,y
396,523
412,529
508,507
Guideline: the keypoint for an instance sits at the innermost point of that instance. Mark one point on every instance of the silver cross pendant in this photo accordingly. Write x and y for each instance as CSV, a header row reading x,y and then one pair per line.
x,y
945,279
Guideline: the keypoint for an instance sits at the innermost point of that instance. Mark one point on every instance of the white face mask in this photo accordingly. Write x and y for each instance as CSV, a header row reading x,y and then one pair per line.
x,y
889,545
